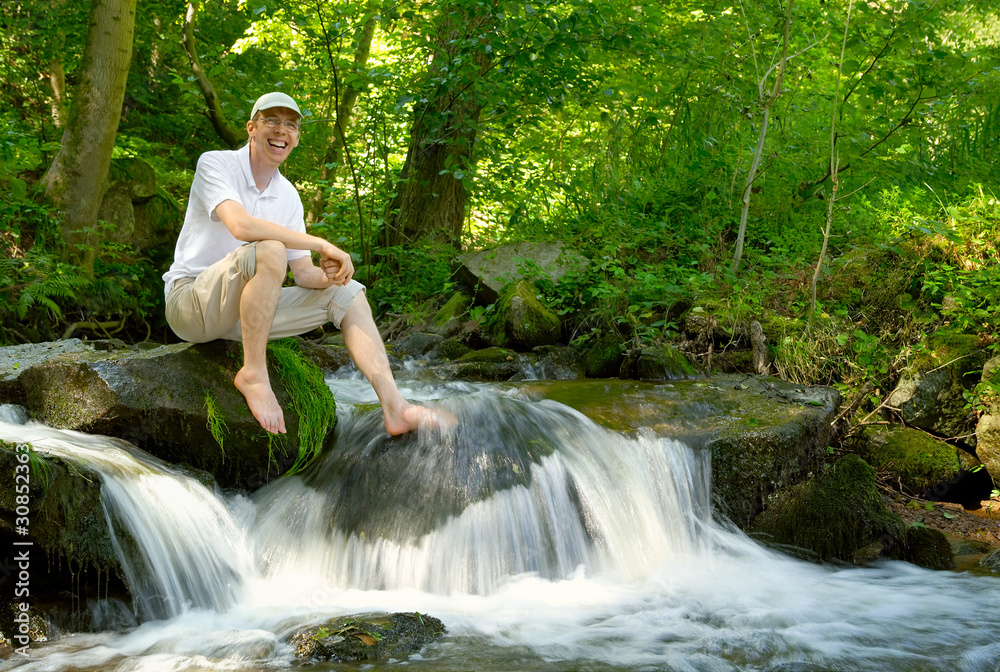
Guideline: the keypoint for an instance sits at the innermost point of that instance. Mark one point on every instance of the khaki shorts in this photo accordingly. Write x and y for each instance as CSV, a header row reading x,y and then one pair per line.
x,y
208,307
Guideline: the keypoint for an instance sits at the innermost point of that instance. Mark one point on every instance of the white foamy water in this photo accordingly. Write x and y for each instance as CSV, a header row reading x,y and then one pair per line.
x,y
601,554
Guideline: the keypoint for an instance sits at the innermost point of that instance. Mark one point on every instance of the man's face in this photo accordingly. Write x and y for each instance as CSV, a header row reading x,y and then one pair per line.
x,y
273,145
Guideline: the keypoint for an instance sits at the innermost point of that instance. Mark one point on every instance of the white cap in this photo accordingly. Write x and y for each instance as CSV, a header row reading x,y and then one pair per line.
x,y
274,99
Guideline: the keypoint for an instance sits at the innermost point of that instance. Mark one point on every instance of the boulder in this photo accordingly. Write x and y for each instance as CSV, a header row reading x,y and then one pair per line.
x,y
448,320
141,214
489,364
603,358
69,536
365,638
925,547
926,466
489,271
657,362
833,515
520,320
176,402
931,391
988,425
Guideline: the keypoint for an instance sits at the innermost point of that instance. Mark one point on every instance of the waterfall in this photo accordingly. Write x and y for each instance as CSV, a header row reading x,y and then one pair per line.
x,y
543,541
185,548
516,488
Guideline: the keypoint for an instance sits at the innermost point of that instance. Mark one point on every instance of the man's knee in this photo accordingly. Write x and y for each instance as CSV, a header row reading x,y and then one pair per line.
x,y
271,257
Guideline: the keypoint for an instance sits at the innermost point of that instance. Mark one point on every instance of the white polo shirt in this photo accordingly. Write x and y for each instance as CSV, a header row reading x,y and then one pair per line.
x,y
226,176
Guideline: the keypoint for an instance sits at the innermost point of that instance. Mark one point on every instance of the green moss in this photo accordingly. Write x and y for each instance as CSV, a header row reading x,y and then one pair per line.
x,y
927,548
919,460
310,398
603,359
832,515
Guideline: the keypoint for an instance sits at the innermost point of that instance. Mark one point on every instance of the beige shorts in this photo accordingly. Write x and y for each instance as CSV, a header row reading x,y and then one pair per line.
x,y
208,307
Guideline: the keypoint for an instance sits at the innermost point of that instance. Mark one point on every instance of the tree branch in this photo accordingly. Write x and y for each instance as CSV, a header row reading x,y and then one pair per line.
x,y
214,112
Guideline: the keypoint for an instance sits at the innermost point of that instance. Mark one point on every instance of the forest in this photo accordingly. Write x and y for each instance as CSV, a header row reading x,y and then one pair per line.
x,y
827,167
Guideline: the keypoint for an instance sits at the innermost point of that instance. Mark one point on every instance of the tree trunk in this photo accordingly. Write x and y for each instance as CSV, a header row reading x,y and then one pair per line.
x,y
75,181
431,195
766,103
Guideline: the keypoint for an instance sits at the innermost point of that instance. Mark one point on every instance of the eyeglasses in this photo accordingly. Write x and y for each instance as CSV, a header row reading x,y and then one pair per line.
x,y
272,122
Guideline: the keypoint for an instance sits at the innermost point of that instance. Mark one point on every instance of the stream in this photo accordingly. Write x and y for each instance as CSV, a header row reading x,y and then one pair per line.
x,y
543,541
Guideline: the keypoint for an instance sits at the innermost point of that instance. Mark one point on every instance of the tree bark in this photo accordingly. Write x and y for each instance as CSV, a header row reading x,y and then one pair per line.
x,y
431,196
75,181
233,138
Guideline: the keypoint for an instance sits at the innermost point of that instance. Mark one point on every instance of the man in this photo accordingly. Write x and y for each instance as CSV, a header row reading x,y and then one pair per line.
x,y
244,227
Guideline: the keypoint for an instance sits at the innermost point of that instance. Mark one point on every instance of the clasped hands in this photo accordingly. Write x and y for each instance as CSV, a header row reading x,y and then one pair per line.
x,y
337,265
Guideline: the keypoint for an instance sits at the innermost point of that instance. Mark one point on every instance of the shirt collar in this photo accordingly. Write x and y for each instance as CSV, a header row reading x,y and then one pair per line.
x,y
244,158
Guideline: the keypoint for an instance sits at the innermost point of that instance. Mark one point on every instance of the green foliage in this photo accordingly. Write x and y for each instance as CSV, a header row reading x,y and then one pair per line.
x,y
310,398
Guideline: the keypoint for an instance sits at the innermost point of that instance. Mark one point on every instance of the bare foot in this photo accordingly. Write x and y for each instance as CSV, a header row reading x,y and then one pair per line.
x,y
261,400
410,416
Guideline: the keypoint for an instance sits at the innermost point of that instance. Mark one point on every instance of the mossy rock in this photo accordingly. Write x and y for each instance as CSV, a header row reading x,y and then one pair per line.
x,y
925,547
365,638
489,364
918,460
931,391
447,319
603,359
662,362
174,401
833,515
520,320
451,348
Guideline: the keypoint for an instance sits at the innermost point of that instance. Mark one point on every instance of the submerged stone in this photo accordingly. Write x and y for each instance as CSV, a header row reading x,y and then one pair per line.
x,y
368,637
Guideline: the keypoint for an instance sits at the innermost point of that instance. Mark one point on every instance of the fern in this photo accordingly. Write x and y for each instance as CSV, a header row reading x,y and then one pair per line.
x,y
52,280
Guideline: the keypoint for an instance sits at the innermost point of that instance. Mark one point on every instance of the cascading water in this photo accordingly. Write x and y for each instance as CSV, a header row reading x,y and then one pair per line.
x,y
543,541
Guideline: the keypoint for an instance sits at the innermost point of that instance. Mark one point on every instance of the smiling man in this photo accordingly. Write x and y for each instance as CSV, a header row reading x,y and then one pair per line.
x,y
243,229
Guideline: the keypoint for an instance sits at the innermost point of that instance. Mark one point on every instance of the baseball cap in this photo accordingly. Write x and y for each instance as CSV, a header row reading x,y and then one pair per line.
x,y
274,99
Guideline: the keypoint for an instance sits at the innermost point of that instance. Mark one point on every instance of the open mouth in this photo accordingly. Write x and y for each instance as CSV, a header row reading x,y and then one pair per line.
x,y
278,144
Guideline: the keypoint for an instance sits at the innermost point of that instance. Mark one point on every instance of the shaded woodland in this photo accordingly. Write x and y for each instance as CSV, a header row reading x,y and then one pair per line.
x,y
828,168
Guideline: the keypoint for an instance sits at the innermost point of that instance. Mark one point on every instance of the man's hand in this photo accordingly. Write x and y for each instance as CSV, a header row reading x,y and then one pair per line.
x,y
336,264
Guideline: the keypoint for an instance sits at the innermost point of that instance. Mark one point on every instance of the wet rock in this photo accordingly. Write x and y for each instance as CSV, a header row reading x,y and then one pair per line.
x,y
157,399
970,547
556,363
489,365
764,433
991,562
71,552
833,515
366,638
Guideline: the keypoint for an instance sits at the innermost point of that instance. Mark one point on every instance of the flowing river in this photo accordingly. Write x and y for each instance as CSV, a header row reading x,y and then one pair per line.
x,y
543,541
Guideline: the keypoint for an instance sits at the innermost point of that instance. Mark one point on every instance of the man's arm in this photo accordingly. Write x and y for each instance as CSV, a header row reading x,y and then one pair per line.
x,y
336,265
